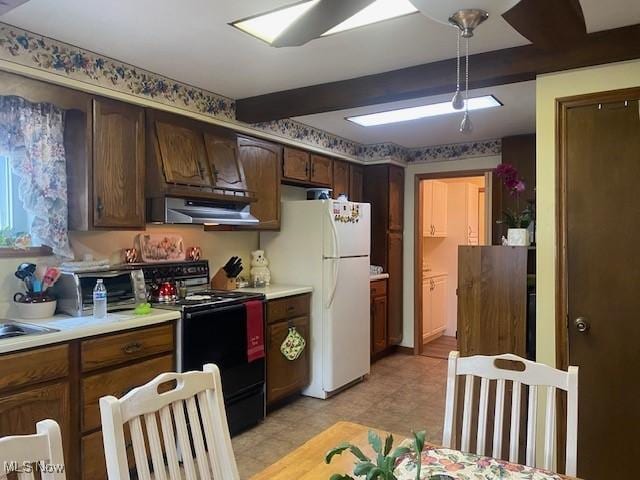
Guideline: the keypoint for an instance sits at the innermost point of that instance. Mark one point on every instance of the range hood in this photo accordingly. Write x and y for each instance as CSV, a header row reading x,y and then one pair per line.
x,y
200,212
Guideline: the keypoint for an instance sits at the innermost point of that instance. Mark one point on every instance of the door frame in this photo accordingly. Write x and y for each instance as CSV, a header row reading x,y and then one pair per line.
x,y
562,278
418,238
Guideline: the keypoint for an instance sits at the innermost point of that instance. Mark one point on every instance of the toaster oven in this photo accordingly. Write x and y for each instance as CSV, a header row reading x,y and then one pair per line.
x,y
74,290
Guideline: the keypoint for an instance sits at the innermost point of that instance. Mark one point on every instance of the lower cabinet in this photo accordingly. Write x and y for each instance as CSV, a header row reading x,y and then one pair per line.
x,y
286,377
379,337
434,306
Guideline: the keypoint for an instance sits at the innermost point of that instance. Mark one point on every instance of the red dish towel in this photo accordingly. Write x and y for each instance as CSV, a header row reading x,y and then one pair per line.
x,y
255,330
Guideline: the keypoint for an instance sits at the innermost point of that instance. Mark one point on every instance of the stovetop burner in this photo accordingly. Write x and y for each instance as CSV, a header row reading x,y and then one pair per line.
x,y
209,298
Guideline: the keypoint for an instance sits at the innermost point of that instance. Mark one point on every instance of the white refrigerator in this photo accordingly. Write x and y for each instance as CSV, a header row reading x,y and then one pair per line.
x,y
326,244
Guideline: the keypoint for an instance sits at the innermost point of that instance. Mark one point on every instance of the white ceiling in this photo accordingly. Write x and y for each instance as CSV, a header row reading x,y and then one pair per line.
x,y
192,42
516,116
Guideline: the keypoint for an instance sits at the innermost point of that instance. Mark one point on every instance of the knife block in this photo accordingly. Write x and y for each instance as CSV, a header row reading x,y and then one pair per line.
x,y
220,281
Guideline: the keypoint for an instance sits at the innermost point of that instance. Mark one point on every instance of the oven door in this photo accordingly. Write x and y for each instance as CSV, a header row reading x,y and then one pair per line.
x,y
219,335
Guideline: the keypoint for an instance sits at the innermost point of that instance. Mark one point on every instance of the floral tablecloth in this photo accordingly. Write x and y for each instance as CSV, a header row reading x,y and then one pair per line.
x,y
466,466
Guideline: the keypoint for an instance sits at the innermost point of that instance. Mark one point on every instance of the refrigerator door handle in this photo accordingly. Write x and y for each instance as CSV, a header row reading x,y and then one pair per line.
x,y
336,271
334,233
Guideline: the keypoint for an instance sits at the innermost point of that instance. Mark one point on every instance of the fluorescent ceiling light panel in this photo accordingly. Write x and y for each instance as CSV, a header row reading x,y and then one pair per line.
x,y
422,111
376,12
267,27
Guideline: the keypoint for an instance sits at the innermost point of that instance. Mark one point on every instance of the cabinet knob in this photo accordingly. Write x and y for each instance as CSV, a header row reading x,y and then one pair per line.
x,y
99,206
582,325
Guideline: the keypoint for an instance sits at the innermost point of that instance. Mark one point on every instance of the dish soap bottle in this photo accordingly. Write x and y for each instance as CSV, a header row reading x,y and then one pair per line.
x,y
99,300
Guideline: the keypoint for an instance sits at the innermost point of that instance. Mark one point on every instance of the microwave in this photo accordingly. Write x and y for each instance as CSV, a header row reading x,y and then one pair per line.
x,y
74,290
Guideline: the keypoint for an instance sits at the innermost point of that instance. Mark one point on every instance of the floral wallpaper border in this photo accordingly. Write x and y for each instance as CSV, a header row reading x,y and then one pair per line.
x,y
33,50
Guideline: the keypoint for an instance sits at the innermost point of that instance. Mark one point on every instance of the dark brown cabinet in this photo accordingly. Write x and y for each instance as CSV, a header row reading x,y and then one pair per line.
x,y
378,317
261,163
384,189
341,179
356,182
227,170
295,165
286,377
321,170
118,164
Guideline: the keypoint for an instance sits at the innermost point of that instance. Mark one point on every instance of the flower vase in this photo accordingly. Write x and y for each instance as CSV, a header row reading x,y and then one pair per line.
x,y
518,237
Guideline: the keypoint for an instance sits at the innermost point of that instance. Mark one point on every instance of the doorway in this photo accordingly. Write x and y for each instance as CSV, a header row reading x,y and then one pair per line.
x,y
599,272
452,210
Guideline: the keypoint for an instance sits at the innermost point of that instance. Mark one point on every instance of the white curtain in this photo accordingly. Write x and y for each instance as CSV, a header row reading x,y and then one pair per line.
x,y
32,135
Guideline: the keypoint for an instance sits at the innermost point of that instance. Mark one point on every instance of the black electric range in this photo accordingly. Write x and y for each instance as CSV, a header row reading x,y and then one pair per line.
x,y
213,329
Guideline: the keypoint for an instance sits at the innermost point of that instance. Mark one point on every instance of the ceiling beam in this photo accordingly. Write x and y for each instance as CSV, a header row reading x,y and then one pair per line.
x,y
499,67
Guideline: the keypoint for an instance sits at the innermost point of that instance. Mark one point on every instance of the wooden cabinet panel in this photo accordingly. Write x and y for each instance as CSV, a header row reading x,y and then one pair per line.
x,y
183,153
224,162
283,308
19,413
42,364
117,382
378,288
94,465
439,304
118,164
394,253
378,324
427,307
286,377
296,165
473,214
396,198
356,182
434,197
261,163
341,179
321,170
115,349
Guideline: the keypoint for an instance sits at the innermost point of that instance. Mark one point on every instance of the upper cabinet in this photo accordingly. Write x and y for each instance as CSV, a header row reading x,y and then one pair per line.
x,y
356,182
321,170
341,179
118,165
261,163
295,165
396,198
227,169
434,198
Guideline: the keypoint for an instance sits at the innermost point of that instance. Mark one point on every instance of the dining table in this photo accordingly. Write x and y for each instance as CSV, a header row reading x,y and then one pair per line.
x,y
307,461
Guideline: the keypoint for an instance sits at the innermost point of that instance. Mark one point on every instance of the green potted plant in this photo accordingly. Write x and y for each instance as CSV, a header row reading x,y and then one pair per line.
x,y
382,468
517,221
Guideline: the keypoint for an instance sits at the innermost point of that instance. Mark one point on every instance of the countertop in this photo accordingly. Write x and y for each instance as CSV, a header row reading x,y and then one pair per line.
x,y
379,276
278,291
71,328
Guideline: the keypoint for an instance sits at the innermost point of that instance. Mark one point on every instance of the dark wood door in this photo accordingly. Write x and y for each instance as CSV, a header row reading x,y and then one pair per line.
x,y
396,198
340,179
378,324
183,153
394,261
223,159
602,167
356,183
261,163
118,165
295,165
285,377
321,170
19,413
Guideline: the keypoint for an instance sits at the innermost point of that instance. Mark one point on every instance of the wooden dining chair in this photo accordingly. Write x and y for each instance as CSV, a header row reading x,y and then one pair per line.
x,y
41,451
518,372
203,431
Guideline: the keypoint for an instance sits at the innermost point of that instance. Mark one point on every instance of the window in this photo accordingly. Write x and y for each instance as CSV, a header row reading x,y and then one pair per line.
x,y
15,222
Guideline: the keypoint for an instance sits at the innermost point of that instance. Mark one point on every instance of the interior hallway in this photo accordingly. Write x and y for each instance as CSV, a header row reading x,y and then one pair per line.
x,y
403,393
440,347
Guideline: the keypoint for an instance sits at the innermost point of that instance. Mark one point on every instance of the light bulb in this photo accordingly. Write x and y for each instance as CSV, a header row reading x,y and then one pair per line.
x,y
467,125
458,101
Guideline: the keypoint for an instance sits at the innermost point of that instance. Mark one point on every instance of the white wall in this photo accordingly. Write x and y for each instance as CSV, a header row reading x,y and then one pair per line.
x,y
479,163
217,247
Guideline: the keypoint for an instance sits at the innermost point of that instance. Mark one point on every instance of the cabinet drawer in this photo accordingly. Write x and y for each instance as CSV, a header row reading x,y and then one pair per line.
x,y
117,382
120,348
378,288
17,369
288,307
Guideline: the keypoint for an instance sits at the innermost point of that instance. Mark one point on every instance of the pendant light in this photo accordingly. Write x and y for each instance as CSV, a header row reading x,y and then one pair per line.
x,y
467,125
457,102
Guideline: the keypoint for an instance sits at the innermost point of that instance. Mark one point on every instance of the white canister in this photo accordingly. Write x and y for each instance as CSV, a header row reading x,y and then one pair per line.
x,y
518,237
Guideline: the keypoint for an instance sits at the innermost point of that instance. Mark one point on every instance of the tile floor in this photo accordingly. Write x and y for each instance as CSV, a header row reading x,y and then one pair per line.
x,y
403,393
